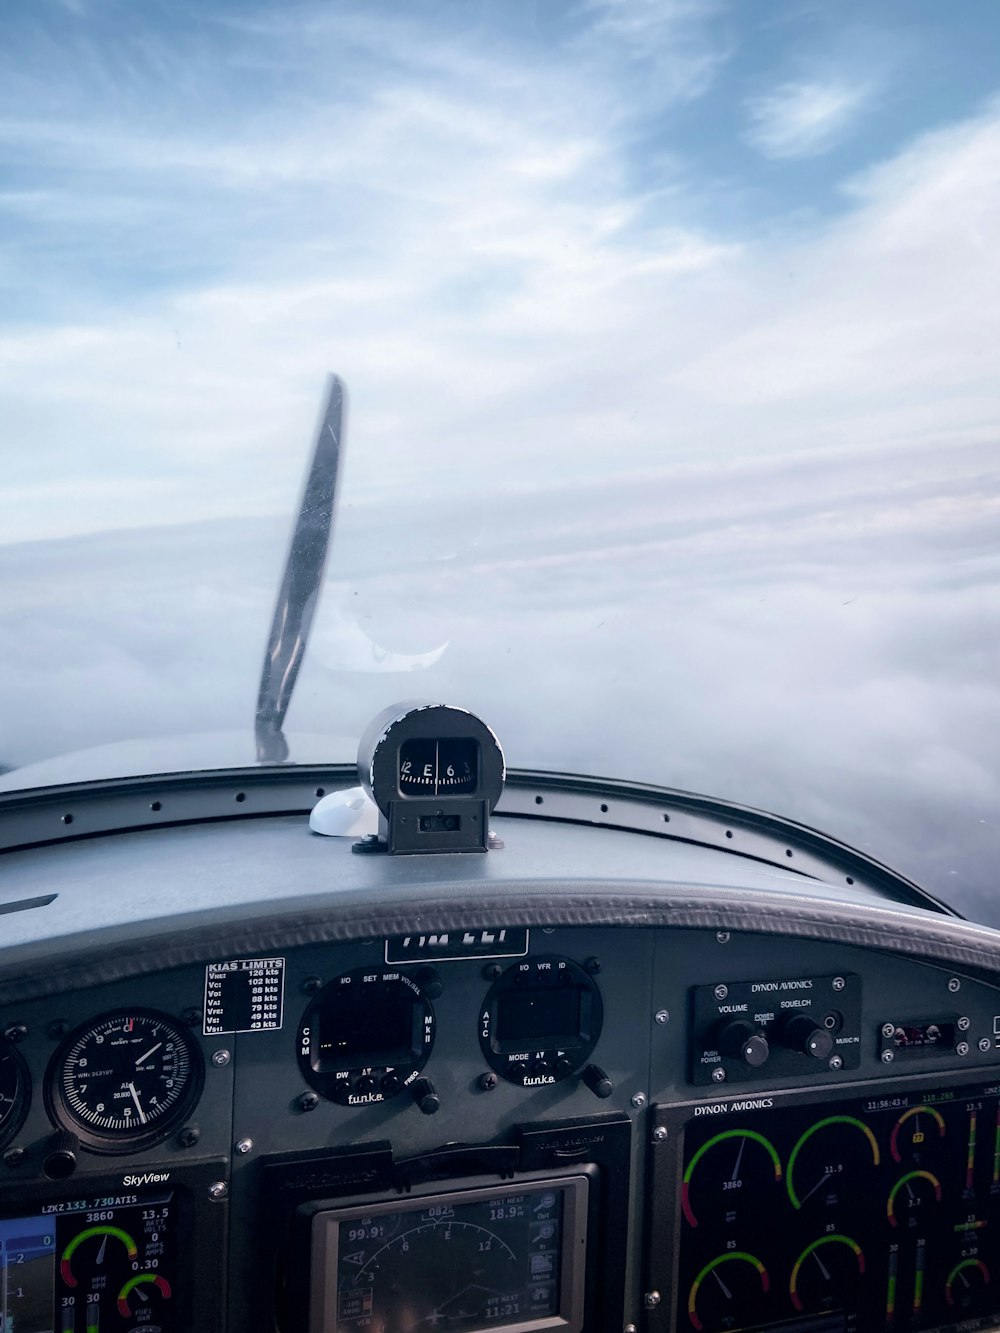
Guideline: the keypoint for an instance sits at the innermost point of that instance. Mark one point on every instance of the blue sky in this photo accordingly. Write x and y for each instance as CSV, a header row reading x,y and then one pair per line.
x,y
695,306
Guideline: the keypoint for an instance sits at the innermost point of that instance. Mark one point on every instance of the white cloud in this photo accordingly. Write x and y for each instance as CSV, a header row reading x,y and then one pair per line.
x,y
806,119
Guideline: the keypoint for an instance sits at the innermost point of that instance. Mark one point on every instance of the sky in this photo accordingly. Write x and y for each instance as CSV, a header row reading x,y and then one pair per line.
x,y
669,329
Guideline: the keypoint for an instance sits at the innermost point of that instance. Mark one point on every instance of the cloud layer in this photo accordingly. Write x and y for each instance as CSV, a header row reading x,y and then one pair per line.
x,y
692,498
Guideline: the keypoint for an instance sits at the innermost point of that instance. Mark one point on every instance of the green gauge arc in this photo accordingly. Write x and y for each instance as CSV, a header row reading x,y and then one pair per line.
x,y
751,1134
814,1129
834,1239
742,1256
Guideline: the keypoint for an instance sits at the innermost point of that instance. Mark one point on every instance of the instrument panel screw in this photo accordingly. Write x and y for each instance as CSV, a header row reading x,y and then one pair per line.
x,y
836,1062
722,936
839,983
718,1074
721,992
659,1134
312,984
218,1190
954,985
308,1101
962,1048
888,1029
13,1157
16,1032
887,1057
220,1059
963,1024
188,1136
243,1146
487,1082
662,1016
491,971
651,1300
984,1044
639,1100
592,965
191,1017
58,1029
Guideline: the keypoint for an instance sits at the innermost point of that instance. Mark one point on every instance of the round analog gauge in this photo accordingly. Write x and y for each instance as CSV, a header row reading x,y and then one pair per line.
x,y
15,1091
123,1082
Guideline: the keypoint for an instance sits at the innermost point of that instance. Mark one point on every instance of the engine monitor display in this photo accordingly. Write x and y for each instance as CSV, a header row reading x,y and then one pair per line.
x,y
857,1214
509,1257
89,1266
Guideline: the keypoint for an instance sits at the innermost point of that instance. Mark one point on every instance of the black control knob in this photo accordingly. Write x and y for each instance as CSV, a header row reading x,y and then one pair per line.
x,y
365,1085
740,1040
563,1067
802,1034
425,1095
429,982
597,1081
60,1160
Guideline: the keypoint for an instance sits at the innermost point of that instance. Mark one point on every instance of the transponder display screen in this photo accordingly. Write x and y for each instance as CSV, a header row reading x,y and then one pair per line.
x,y
545,1014
504,1257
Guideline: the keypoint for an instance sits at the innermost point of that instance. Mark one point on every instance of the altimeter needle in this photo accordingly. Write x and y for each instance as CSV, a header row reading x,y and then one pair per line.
x,y
135,1098
152,1051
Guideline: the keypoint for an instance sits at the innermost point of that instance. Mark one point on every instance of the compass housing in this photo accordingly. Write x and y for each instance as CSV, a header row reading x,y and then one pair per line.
x,y
435,772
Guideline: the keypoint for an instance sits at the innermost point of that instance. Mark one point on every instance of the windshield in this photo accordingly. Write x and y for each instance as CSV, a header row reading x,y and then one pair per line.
x,y
669,330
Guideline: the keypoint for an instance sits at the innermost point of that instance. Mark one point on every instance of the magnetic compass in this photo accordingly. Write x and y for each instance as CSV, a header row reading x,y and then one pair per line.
x,y
435,772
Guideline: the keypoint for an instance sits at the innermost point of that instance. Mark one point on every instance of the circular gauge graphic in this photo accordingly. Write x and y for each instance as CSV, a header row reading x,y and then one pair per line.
x,y
916,1134
966,1284
729,1292
125,1081
912,1199
824,1272
15,1091
734,1168
831,1162
365,1036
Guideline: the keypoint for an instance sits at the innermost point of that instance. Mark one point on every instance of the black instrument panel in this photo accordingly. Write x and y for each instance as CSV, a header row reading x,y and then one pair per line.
x,y
338,1086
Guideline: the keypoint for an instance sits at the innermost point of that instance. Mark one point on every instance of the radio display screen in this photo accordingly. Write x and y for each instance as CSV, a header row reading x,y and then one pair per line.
x,y
467,1260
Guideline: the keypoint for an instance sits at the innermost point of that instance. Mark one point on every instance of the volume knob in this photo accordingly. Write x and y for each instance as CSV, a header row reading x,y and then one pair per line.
x,y
740,1040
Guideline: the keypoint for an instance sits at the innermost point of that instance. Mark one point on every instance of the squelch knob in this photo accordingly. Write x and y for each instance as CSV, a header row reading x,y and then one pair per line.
x,y
740,1040
597,1081
802,1034
425,1095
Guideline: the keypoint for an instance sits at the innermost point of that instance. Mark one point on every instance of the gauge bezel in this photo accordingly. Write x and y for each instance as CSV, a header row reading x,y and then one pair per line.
x,y
535,1062
11,1122
342,1086
120,1143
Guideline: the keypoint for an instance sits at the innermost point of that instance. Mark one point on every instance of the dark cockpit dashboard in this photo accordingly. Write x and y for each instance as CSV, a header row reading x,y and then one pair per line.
x,y
650,1064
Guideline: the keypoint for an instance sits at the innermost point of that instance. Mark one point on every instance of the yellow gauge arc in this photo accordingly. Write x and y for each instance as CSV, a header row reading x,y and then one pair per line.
x,y
814,1129
890,1205
928,1111
711,1266
960,1268
834,1239
713,1142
